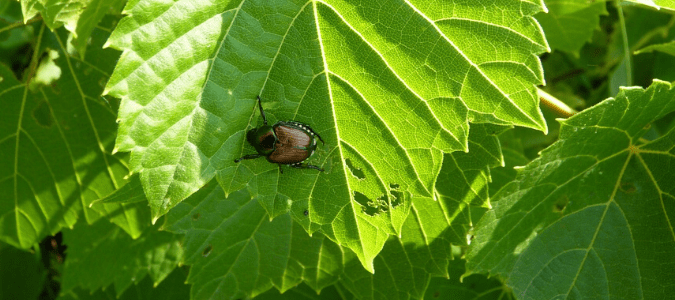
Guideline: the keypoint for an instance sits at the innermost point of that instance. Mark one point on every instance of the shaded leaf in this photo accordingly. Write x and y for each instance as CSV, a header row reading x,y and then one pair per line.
x,y
474,287
173,287
569,24
102,254
302,292
56,143
236,251
593,211
25,265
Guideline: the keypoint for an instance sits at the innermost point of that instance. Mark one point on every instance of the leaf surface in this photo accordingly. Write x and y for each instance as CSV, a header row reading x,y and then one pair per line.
x,y
387,96
668,48
171,288
408,263
235,250
56,139
569,24
102,254
32,273
594,211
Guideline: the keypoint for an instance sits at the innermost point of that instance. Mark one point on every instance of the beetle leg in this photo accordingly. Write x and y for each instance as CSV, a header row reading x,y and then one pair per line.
x,y
280,169
262,113
306,166
250,156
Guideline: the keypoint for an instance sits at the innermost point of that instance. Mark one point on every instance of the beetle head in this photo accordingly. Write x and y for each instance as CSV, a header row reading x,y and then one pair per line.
x,y
263,139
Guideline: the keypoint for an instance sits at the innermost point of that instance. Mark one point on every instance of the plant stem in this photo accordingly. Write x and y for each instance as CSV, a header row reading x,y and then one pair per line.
x,y
557,106
626,47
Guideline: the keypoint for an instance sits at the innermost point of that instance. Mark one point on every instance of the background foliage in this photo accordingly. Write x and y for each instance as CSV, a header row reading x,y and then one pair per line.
x,y
120,122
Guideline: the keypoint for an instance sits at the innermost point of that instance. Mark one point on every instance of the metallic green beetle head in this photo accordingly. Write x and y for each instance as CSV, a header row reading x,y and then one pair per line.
x,y
263,139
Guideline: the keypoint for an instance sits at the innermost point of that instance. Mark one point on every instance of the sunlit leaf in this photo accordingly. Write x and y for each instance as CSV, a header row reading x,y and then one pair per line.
x,y
388,97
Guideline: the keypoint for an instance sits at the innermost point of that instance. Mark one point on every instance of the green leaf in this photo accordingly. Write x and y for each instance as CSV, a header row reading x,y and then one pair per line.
x,y
24,265
236,251
56,142
92,14
668,48
171,288
132,192
54,12
407,263
79,16
462,185
593,211
101,254
475,287
302,292
667,4
387,97
569,24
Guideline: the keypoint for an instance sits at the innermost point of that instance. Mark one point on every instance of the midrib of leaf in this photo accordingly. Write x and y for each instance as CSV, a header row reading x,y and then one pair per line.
x,y
487,78
83,97
101,148
19,127
369,266
658,188
383,121
393,71
600,223
580,173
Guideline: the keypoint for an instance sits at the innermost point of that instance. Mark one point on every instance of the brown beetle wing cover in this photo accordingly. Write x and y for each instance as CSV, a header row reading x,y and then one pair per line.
x,y
293,146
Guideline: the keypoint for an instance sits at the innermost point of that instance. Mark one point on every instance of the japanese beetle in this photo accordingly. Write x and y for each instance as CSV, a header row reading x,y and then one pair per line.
x,y
284,143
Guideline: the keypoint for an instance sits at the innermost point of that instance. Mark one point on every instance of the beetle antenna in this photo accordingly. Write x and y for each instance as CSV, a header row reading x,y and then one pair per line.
x,y
262,113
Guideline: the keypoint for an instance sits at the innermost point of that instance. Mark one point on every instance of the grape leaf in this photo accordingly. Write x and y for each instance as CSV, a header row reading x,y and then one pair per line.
x,y
569,24
593,214
388,98
56,142
407,263
302,292
668,48
173,287
54,12
475,287
28,266
667,4
236,251
101,254
79,16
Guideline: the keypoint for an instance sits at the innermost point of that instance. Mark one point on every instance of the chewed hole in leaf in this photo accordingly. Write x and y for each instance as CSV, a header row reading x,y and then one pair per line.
x,y
560,205
382,203
42,115
355,171
47,71
367,206
207,251
397,197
